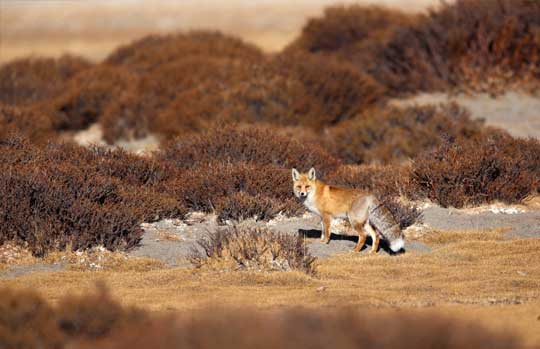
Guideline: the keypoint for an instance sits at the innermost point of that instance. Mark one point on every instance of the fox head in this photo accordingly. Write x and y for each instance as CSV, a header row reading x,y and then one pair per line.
x,y
303,183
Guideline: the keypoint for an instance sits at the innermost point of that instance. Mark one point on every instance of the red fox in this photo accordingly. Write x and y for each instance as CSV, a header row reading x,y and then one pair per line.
x,y
362,209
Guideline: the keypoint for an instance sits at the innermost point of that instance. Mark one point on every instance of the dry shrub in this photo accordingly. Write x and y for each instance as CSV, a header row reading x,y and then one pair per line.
x,y
297,328
241,205
483,45
67,195
253,249
153,51
211,188
329,90
291,90
497,167
30,80
87,96
467,44
95,320
261,145
95,315
345,30
387,182
140,111
386,135
31,122
27,321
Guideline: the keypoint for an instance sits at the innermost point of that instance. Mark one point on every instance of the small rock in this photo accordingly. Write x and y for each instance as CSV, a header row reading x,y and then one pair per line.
x,y
321,289
522,273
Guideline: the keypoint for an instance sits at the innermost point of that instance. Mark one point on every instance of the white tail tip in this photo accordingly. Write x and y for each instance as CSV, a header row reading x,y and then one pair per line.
x,y
397,244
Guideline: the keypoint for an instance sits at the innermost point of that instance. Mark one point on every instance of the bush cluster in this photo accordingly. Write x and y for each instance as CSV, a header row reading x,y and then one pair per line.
x,y
30,80
389,134
96,320
255,249
467,44
66,195
498,167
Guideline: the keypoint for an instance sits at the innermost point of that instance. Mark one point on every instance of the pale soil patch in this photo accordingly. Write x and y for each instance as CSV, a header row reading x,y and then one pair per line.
x,y
518,113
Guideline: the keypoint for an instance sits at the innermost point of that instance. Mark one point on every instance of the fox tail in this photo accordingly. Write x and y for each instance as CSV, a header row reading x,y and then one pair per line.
x,y
381,218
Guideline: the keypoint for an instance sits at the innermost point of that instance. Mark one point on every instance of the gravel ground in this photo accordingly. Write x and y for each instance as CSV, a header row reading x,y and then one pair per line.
x,y
171,241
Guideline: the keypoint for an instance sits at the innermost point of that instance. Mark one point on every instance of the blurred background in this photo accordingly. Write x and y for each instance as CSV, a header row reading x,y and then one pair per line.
x,y
93,28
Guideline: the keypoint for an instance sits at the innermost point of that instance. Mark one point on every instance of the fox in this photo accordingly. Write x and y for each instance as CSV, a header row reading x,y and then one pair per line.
x,y
365,213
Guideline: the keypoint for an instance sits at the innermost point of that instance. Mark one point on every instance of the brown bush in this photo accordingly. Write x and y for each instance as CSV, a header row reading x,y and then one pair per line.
x,y
95,320
258,145
69,195
26,321
153,51
291,90
95,315
458,174
483,45
88,95
330,90
211,187
29,80
344,30
28,121
240,206
389,134
297,328
253,249
138,112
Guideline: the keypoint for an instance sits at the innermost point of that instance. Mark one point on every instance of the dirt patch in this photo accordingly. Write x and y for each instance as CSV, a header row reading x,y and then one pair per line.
x,y
172,241
515,112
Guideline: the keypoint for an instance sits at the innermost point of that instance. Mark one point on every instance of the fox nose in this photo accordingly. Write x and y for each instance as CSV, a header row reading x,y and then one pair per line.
x,y
303,194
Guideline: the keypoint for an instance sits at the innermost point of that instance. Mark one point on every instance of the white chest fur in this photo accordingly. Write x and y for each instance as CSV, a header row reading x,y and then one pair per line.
x,y
310,204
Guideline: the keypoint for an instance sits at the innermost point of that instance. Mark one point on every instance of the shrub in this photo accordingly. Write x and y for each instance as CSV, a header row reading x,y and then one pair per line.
x,y
139,111
240,205
458,174
489,44
88,95
252,144
95,315
254,249
211,187
153,51
29,80
302,328
95,320
69,195
329,90
28,121
386,135
344,29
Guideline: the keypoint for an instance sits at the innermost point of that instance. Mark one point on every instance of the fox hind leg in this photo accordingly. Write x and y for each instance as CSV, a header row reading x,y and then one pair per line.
x,y
374,237
361,237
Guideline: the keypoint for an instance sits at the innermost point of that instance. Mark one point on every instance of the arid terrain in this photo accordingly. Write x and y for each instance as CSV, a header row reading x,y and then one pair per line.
x,y
127,165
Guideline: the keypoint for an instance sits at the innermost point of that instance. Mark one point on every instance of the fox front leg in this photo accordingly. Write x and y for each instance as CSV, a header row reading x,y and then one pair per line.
x,y
325,234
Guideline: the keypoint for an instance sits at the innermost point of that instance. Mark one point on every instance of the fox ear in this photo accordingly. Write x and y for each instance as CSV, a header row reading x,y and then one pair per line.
x,y
311,174
295,175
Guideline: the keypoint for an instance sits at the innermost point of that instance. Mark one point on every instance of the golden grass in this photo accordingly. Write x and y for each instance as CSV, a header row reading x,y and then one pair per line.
x,y
473,275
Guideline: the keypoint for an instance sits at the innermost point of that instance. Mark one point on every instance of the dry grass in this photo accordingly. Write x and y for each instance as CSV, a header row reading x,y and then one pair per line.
x,y
463,268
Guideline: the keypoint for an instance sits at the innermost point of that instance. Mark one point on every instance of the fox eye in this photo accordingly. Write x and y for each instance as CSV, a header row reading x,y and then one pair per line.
x,y
298,187
307,187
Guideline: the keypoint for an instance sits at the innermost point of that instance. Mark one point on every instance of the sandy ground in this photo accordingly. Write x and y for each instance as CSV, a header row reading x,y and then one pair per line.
x,y
515,112
94,28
